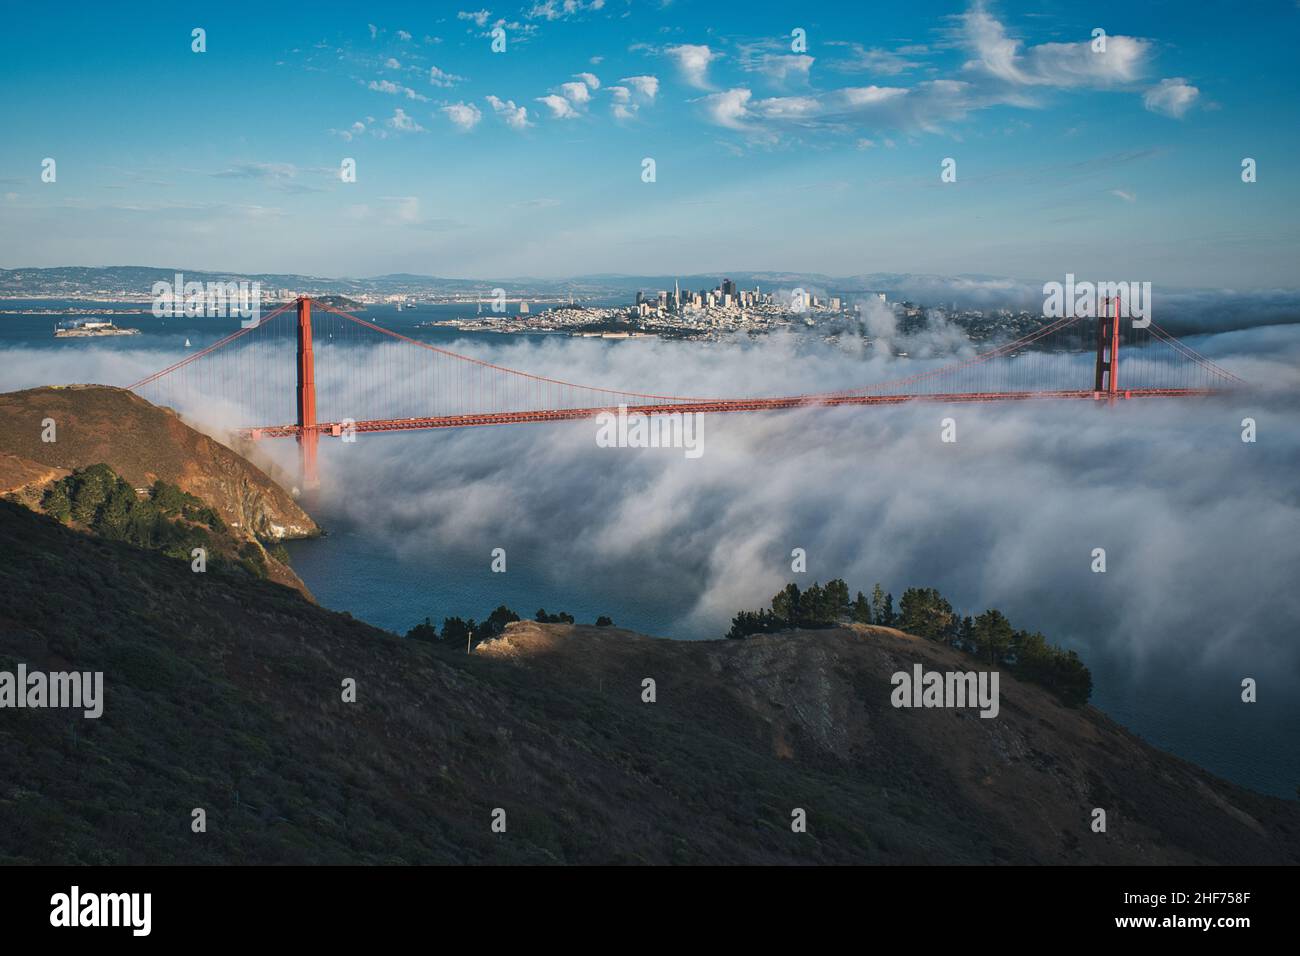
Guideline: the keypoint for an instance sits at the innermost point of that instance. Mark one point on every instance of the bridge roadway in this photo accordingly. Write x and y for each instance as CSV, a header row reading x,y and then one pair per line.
x,y
719,405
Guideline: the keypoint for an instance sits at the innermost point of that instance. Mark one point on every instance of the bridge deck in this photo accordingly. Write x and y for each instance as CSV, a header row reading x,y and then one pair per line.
x,y
712,407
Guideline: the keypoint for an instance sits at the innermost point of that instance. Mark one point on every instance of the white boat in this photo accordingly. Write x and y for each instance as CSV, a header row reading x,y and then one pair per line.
x,y
187,343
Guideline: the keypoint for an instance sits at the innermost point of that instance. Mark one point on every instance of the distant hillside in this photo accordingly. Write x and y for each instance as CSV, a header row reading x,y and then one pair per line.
x,y
224,693
142,443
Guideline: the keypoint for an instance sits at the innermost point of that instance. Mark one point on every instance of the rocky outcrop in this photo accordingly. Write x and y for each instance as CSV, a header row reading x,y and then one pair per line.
x,y
142,443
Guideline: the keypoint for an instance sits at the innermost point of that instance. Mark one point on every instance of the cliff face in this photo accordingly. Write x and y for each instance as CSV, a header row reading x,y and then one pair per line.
x,y
141,442
95,424
226,693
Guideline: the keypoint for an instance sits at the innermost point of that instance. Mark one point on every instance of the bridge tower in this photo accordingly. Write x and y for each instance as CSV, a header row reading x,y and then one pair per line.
x,y
1107,380
308,437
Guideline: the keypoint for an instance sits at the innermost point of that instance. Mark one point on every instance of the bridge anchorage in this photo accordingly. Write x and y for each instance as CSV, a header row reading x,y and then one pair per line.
x,y
402,384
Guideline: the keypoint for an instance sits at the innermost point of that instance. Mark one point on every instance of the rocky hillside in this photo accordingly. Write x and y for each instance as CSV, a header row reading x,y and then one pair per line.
x,y
225,694
142,443
94,424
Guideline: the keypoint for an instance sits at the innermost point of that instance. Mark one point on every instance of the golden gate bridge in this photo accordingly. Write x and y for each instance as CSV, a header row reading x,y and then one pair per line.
x,y
416,385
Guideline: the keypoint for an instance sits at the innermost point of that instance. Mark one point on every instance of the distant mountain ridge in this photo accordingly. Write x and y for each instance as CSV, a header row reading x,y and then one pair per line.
x,y
138,280
1179,311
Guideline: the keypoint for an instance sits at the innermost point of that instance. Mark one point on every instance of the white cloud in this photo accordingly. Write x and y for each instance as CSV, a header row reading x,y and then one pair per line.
x,y
789,107
783,69
729,108
1172,97
589,78
479,17
693,61
1000,71
394,89
846,109
402,122
442,78
866,96
639,91
1124,195
645,86
873,60
516,117
560,107
623,107
553,10
351,133
465,115
576,93
1050,64
392,64
403,35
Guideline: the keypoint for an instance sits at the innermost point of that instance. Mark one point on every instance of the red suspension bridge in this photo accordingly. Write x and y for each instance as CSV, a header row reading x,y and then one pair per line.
x,y
403,384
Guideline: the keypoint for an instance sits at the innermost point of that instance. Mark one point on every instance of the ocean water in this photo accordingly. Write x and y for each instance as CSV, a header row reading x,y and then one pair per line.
x,y
167,333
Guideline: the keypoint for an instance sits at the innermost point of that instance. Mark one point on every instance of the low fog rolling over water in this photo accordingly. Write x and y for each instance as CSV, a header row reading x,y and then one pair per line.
x,y
1201,530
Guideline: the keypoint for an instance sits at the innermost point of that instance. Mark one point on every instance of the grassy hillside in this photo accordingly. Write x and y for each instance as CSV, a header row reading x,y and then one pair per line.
x,y
144,444
224,692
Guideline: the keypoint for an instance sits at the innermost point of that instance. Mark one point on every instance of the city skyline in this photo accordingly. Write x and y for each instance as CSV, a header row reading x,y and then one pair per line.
x,y
827,161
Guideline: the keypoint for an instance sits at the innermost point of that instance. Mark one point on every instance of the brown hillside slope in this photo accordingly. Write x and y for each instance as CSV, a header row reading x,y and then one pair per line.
x,y
1027,780
141,442
224,693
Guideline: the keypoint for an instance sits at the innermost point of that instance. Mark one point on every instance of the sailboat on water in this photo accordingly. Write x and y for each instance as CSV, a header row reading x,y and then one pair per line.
x,y
187,343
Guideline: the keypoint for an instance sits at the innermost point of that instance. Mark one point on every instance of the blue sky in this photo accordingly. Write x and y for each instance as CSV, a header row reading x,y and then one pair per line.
x,y
1123,164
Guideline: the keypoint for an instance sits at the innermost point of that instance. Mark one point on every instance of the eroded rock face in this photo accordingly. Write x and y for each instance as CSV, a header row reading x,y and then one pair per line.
x,y
143,443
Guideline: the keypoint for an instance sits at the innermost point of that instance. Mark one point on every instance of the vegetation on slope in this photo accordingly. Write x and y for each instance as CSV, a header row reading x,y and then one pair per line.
x,y
988,637
457,631
223,692
167,519
142,443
